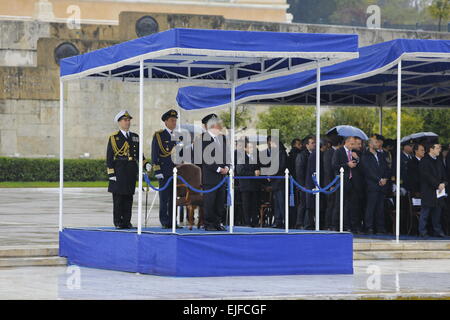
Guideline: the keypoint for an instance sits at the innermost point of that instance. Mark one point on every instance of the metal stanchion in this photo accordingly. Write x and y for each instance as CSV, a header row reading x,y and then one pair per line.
x,y
231,190
341,202
174,201
286,200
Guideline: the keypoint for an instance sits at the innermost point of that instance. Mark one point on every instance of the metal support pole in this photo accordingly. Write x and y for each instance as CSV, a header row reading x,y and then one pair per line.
x,y
397,179
381,119
174,201
231,172
286,200
61,153
141,142
341,202
232,146
318,146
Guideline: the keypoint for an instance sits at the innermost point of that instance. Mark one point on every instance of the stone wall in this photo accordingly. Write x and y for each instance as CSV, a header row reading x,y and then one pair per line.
x,y
29,81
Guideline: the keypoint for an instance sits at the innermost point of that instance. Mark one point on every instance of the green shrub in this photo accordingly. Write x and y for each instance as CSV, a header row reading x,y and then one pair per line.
x,y
29,169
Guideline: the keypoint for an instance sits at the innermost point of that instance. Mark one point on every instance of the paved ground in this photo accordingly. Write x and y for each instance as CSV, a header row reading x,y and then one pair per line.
x,y
387,279
30,216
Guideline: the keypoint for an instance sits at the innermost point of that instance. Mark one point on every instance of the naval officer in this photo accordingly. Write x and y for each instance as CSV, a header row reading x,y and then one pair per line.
x,y
122,158
163,145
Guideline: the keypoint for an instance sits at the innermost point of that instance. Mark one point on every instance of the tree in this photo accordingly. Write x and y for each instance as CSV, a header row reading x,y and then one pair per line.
x,y
242,117
311,11
440,9
411,122
292,121
437,121
360,117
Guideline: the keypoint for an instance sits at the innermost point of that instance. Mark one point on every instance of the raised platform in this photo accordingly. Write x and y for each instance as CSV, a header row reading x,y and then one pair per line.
x,y
199,253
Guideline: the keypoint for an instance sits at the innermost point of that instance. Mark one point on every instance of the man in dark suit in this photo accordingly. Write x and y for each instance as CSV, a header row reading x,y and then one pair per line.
x,y
328,176
376,174
342,158
360,192
163,145
301,163
433,179
247,165
277,149
413,181
310,216
122,158
214,168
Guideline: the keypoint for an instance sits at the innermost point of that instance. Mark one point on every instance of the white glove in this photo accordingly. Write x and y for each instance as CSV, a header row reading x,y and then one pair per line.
x,y
148,167
113,178
159,176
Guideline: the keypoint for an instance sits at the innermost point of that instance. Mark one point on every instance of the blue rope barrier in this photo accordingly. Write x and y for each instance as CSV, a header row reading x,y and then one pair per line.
x,y
147,180
331,184
225,179
303,188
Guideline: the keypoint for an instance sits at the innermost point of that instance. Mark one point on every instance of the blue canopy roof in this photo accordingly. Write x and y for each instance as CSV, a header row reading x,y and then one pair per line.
x,y
370,80
209,55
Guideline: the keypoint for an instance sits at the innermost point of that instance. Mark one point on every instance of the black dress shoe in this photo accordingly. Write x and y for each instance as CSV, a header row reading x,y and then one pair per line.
x,y
369,232
221,228
299,227
424,235
208,228
441,235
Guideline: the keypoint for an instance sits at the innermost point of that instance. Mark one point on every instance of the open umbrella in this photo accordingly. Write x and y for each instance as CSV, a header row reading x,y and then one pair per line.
x,y
419,136
347,131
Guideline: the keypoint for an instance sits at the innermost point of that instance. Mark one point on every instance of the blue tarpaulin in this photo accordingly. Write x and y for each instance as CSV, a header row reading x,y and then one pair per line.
x,y
207,55
204,254
370,79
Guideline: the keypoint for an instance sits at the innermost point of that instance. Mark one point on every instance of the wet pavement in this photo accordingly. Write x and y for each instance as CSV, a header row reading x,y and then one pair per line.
x,y
372,279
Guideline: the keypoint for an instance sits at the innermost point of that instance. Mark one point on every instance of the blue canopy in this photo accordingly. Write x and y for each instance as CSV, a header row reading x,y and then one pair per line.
x,y
209,55
370,80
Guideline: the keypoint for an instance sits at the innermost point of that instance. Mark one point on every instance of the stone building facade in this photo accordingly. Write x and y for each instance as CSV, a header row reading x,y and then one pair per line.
x,y
29,80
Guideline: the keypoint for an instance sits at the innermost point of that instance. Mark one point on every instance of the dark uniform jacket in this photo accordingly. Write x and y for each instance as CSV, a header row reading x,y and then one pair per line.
x,y
413,182
301,163
328,172
162,148
432,174
122,158
210,176
247,169
291,160
278,184
374,170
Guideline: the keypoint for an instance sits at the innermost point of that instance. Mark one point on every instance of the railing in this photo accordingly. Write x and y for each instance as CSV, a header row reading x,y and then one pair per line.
x,y
290,185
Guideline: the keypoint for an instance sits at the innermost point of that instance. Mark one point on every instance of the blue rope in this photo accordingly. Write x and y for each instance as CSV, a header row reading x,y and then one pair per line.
x,y
225,179
147,180
303,188
331,184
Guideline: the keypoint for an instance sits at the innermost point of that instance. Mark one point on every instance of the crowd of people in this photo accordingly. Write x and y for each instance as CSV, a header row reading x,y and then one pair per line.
x,y
369,185
260,200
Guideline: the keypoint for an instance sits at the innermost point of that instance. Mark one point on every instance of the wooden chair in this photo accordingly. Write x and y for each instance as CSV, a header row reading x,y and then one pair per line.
x,y
266,209
192,200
